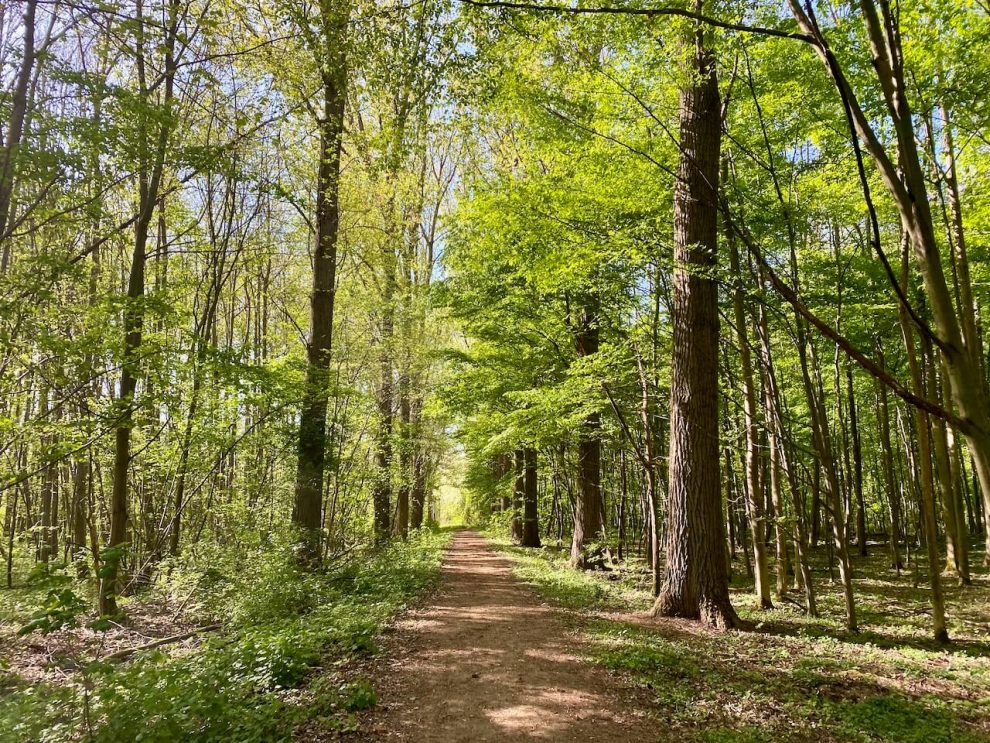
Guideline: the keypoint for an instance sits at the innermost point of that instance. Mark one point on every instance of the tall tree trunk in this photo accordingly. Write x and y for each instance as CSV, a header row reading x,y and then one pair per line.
x,y
15,128
418,495
857,464
405,456
149,184
905,180
518,493
943,472
588,525
696,578
754,489
307,511
927,506
887,461
530,517
382,491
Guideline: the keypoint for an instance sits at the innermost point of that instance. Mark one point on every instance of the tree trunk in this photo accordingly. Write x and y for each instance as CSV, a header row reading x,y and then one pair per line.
x,y
588,526
927,506
405,451
531,518
887,461
754,484
149,183
15,128
857,465
518,494
904,178
307,512
695,583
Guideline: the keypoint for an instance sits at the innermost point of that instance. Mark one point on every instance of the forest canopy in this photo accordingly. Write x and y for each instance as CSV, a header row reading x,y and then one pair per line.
x,y
684,297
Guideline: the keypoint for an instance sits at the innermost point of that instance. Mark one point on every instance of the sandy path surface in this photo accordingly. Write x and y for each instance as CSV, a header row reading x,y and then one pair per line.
x,y
486,661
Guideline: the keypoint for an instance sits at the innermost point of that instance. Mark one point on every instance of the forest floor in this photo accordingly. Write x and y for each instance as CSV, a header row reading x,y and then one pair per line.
x,y
281,660
789,678
502,643
486,660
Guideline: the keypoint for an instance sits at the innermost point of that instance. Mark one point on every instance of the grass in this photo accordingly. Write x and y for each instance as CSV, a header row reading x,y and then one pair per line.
x,y
792,678
280,663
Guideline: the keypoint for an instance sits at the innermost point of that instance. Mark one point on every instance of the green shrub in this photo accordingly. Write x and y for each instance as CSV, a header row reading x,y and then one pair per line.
x,y
282,623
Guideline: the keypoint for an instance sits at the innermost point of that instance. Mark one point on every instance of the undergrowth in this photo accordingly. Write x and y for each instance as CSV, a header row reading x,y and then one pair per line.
x,y
253,681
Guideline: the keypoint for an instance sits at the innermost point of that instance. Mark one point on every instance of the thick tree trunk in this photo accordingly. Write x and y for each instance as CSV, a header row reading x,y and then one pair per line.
x,y
696,578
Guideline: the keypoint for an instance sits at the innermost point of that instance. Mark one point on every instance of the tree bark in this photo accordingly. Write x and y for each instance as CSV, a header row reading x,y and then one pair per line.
x,y
307,512
857,473
15,128
927,505
149,184
754,489
588,526
530,519
518,494
887,461
696,578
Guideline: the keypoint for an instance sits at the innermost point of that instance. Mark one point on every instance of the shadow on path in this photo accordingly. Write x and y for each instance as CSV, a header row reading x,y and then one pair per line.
x,y
486,661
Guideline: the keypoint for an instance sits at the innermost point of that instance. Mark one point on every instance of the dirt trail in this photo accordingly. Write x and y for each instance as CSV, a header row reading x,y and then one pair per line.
x,y
486,661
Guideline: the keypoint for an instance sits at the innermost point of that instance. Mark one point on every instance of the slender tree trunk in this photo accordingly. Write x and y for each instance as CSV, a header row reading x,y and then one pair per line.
x,y
405,465
755,510
149,184
857,465
905,180
307,512
518,494
418,494
15,128
927,506
531,518
588,525
887,460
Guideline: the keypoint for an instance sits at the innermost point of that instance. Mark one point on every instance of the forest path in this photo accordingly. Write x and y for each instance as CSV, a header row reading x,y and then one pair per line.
x,y
485,660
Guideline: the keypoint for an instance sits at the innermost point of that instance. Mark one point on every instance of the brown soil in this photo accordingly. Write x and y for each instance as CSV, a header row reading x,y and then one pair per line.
x,y
485,660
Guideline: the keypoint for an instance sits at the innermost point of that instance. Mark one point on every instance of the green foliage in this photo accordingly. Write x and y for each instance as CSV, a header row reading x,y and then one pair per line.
x,y
749,734
283,623
359,695
548,572
62,608
893,717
